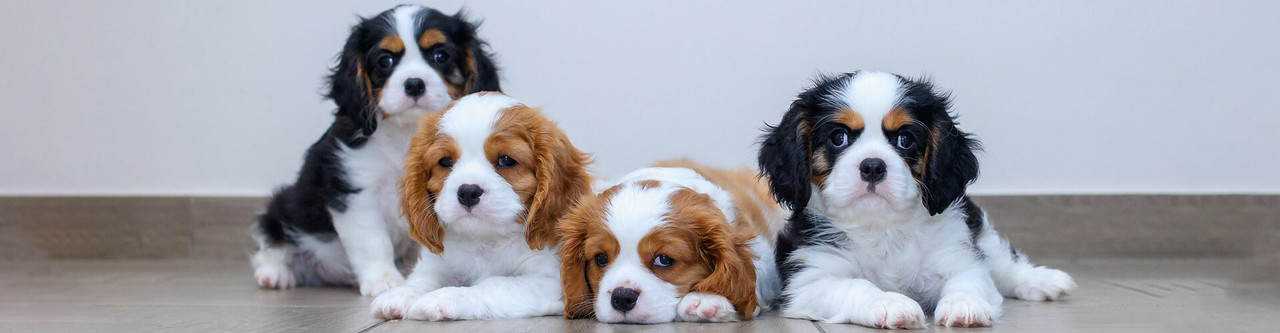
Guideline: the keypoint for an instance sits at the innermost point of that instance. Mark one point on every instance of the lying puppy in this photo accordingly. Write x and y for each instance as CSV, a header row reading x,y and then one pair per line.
x,y
882,232
683,242
337,224
484,183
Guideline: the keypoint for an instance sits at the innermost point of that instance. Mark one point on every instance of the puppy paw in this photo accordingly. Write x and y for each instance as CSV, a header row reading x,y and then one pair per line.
x,y
378,283
394,303
963,310
448,303
894,310
700,307
274,277
1043,284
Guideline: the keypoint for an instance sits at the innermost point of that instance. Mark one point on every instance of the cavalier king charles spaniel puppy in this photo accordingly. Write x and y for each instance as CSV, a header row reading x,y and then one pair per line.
x,y
484,184
338,224
675,242
882,233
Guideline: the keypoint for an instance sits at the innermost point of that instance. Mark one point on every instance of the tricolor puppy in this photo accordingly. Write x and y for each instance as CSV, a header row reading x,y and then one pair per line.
x,y
882,232
484,184
339,224
684,242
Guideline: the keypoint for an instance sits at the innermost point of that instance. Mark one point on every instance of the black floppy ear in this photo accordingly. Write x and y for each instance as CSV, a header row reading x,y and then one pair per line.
x,y
482,74
784,158
951,167
350,88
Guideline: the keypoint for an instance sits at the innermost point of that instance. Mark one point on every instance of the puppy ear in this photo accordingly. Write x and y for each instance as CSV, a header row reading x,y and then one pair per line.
x,y
561,175
416,200
351,90
733,275
951,167
482,74
576,289
784,158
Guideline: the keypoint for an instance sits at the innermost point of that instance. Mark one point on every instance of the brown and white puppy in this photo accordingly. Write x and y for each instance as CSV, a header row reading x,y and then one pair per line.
x,y
675,242
484,183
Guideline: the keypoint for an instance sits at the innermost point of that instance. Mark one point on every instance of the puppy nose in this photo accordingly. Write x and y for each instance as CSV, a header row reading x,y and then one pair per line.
x,y
415,87
469,195
624,299
872,170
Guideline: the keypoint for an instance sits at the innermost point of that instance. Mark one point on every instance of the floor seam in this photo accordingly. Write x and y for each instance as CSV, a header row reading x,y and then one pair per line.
x,y
819,327
371,327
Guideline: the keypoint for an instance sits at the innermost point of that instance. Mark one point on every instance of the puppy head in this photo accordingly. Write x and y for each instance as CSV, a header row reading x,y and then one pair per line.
x,y
489,166
405,61
869,141
630,253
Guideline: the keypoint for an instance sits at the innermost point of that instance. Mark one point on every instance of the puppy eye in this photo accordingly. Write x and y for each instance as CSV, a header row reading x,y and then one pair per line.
x,y
446,162
385,61
602,260
906,141
440,56
839,139
663,261
505,161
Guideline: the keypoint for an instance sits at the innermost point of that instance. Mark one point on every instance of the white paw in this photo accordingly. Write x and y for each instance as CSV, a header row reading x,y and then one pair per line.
x,y
1043,284
894,310
700,307
274,277
380,283
963,310
394,303
450,303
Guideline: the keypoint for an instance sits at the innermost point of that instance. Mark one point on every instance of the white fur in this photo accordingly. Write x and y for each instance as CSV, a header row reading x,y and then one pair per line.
x,y
487,270
412,65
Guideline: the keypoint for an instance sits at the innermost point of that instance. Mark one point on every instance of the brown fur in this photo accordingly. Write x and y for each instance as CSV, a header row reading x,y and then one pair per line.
x,y
896,119
850,118
431,37
724,252
392,43
751,198
582,236
423,178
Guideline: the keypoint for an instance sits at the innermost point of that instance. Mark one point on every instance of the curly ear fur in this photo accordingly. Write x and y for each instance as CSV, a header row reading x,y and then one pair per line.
x,y
482,74
562,180
350,88
577,293
951,167
415,199
733,275
784,158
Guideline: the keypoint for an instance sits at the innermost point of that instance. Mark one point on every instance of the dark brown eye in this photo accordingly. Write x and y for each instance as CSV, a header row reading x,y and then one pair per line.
x,y
385,61
446,162
602,260
505,161
440,56
663,261
839,139
906,141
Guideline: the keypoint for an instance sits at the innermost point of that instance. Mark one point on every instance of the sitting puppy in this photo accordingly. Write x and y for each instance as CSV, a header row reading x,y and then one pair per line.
x,y
337,225
484,183
882,232
683,242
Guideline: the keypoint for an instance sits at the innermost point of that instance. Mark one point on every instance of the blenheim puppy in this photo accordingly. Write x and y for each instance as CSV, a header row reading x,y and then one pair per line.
x,y
882,232
683,242
484,184
338,224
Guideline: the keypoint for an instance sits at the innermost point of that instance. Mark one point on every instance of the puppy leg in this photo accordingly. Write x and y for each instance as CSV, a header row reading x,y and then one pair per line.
x,y
1015,275
425,277
815,294
271,267
365,238
968,299
492,298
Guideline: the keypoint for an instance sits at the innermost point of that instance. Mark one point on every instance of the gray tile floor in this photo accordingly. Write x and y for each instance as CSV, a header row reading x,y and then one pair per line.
x,y
196,295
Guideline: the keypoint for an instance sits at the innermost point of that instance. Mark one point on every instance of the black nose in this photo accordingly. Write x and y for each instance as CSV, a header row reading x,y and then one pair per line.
x,y
414,87
624,299
872,170
469,195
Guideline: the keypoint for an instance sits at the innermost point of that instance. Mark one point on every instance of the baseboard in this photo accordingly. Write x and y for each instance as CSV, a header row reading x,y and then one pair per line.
x,y
1044,226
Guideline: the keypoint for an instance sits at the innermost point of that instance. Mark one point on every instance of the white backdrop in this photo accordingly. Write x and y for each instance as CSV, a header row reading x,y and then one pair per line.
x,y
222,97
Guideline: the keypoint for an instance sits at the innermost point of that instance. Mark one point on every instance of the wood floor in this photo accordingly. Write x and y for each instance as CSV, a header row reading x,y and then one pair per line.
x,y
1119,295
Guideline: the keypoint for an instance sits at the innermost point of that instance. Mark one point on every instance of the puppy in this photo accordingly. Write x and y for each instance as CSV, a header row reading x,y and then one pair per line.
x,y
674,242
484,183
882,232
338,224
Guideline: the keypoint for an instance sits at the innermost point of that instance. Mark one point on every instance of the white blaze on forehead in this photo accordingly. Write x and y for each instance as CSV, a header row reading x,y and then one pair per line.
x,y
685,177
406,24
471,119
871,94
632,213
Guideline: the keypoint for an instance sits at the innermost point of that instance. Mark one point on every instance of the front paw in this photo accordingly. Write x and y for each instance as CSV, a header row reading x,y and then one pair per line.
x,y
274,277
894,310
450,303
963,310
700,307
378,283
1043,284
394,303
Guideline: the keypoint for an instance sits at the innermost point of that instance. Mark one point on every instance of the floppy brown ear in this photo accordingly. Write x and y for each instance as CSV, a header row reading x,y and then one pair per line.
x,y
733,275
576,289
561,173
415,198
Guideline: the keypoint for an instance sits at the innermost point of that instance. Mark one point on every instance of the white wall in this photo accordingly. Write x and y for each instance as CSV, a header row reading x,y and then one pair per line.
x,y
221,97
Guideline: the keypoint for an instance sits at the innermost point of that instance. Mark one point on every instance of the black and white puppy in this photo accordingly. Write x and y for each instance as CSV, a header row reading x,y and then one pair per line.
x,y
340,223
882,232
